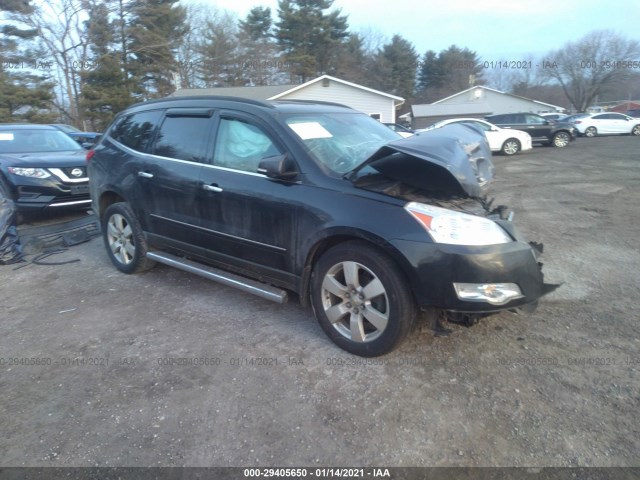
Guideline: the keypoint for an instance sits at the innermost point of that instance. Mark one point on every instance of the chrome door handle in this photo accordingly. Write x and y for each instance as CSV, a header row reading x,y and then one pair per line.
x,y
145,174
212,188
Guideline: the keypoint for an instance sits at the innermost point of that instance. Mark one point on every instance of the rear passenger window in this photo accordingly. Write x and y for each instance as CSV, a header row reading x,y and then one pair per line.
x,y
241,145
184,138
135,131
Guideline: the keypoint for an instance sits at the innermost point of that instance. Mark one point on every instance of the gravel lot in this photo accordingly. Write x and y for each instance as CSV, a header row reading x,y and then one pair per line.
x,y
559,388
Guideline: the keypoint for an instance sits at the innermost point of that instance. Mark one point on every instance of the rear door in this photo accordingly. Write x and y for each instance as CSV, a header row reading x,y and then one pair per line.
x,y
168,183
248,219
603,123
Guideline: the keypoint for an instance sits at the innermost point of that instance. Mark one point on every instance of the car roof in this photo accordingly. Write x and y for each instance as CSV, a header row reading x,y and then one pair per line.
x,y
512,113
26,126
464,119
217,101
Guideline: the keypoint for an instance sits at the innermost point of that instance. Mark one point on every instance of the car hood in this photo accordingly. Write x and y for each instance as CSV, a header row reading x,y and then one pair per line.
x,y
454,159
84,134
72,158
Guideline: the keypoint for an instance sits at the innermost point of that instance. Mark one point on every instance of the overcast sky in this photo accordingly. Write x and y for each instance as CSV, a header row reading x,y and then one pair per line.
x,y
495,29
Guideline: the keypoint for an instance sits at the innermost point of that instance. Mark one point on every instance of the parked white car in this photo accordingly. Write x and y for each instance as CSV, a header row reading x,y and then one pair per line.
x,y
503,140
607,124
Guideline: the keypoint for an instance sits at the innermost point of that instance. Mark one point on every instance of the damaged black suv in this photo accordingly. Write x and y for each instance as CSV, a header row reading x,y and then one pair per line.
x,y
316,199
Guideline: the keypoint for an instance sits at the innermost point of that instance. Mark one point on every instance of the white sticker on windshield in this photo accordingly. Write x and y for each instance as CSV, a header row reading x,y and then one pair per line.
x,y
6,136
308,130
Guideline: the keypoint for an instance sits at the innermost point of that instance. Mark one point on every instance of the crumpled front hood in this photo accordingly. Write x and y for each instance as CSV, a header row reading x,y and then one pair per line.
x,y
454,159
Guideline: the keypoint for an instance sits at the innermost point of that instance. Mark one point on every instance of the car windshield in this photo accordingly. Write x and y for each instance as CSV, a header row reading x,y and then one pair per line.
x,y
340,141
36,140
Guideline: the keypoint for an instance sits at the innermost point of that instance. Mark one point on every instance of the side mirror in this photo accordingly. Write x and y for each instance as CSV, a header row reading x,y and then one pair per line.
x,y
278,167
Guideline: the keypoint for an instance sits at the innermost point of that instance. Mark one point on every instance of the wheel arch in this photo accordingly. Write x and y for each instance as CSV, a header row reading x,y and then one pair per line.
x,y
509,139
337,237
108,198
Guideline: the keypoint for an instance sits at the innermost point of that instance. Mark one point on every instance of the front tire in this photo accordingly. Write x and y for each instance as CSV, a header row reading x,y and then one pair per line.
x,y
636,131
361,299
511,146
123,237
590,132
561,139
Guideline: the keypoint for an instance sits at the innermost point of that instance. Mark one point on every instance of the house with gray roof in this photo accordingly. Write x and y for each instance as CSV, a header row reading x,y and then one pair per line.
x,y
375,103
476,102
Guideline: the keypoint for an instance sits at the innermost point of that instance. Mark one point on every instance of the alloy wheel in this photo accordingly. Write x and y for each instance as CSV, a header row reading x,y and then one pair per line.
x,y
355,301
120,239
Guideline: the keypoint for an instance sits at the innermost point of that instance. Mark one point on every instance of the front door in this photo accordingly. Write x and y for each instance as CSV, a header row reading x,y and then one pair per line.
x,y
248,219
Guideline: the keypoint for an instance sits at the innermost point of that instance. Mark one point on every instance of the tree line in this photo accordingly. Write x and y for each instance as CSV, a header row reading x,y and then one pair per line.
x,y
83,61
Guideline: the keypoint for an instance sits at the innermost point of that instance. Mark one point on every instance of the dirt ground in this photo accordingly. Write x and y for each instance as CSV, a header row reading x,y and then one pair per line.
x,y
98,368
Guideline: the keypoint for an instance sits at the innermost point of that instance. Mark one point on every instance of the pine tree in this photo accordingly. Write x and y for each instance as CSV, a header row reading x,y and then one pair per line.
x,y
106,90
452,70
156,28
400,61
219,63
262,63
308,37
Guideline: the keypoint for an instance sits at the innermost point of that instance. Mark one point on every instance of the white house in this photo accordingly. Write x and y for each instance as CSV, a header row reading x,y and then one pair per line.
x,y
379,105
476,102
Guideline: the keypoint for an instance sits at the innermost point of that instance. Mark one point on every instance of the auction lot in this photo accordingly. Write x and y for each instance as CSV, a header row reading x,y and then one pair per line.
x,y
167,369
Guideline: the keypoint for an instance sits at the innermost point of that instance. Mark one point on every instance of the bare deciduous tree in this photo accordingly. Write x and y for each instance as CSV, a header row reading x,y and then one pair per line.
x,y
60,25
597,63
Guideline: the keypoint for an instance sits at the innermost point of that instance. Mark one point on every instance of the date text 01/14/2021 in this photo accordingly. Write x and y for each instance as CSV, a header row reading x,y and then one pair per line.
x,y
325,472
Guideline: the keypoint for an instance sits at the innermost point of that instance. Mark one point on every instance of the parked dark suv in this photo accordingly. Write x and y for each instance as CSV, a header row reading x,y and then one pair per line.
x,y
42,168
558,134
312,198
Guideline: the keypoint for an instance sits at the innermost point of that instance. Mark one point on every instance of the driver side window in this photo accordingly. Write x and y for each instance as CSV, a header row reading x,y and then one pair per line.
x,y
241,145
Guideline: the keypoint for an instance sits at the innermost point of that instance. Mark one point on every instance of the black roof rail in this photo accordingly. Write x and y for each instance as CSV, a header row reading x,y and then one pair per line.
x,y
310,102
250,101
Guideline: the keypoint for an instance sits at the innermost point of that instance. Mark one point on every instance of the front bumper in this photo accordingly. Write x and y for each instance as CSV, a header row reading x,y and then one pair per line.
x,y
37,194
436,268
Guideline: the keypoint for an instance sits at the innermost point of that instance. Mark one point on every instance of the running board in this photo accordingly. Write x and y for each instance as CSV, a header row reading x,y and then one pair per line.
x,y
229,279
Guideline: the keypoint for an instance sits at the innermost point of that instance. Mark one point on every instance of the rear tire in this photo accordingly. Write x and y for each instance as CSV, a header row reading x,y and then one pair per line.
x,y
636,131
124,239
590,132
361,299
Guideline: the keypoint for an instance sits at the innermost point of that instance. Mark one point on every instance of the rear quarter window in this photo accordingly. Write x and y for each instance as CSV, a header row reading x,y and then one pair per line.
x,y
136,131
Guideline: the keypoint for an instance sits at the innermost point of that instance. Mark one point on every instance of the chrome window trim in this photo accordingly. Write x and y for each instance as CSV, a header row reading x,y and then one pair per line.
x,y
188,162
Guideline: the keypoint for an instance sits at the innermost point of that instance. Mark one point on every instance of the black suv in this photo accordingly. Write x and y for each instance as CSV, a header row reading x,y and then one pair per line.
x,y
42,168
312,198
558,134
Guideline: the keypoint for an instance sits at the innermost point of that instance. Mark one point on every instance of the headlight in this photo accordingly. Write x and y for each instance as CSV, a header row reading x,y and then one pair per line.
x,y
30,172
456,228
